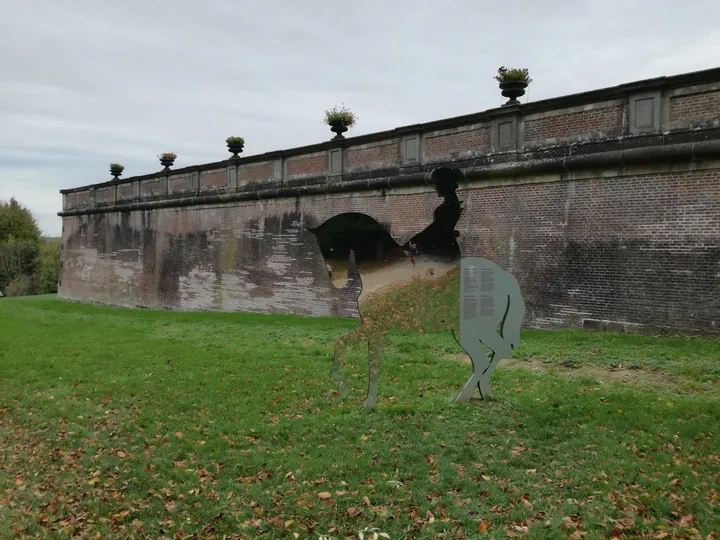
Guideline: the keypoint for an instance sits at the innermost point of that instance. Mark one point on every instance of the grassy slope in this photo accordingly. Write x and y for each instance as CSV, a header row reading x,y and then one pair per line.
x,y
166,424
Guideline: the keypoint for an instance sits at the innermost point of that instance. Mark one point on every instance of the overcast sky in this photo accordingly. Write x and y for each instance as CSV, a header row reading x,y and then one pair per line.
x,y
87,82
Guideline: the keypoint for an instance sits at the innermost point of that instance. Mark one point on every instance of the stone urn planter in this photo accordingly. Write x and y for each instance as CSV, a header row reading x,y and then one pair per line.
x,y
340,119
116,170
513,90
338,127
167,159
513,82
235,146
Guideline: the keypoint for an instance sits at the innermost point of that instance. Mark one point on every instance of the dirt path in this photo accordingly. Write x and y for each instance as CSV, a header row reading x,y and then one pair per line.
x,y
639,377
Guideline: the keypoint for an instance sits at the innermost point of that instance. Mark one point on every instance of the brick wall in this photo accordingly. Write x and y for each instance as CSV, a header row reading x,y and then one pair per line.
x,y
215,179
179,183
246,258
642,248
693,106
152,188
383,154
125,191
596,122
639,248
103,195
252,173
308,166
449,143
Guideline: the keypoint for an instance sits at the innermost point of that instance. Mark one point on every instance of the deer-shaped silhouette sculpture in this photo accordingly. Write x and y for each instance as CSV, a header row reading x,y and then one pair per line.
x,y
490,299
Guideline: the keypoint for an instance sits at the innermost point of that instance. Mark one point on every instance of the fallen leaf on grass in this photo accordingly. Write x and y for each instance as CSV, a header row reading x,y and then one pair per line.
x,y
122,515
324,495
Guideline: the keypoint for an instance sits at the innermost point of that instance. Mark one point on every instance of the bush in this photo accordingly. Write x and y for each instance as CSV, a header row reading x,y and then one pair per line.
x,y
340,114
513,74
235,141
20,286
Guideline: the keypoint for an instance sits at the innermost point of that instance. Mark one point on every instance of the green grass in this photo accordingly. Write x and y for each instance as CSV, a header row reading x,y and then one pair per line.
x,y
122,423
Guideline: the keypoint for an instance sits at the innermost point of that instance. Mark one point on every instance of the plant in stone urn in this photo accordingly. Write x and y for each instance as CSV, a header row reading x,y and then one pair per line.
x,y
340,119
116,170
167,159
513,83
235,145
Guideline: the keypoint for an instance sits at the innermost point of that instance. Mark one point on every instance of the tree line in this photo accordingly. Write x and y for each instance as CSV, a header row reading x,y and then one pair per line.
x,y
29,263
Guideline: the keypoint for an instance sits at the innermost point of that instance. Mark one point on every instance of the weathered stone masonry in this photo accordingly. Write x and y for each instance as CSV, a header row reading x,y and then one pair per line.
x,y
605,204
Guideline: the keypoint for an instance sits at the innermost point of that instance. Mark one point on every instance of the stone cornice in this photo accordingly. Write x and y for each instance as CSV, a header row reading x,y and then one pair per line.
x,y
519,165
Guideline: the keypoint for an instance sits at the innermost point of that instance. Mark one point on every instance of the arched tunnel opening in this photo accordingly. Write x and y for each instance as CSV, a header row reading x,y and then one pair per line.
x,y
372,243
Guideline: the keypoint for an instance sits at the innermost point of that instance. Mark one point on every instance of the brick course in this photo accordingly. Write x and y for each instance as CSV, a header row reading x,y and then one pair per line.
x,y
252,173
307,165
695,106
103,195
605,121
378,154
476,139
125,191
151,188
178,184
214,179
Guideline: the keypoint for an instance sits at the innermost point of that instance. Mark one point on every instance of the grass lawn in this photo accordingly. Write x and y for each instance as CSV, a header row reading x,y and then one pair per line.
x,y
122,423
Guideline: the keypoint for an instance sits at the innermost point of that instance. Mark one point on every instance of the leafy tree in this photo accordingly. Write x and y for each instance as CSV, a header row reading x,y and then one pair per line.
x,y
20,244
48,267
17,222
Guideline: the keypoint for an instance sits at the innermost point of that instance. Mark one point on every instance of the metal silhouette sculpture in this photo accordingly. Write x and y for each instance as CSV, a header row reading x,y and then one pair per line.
x,y
351,237
490,299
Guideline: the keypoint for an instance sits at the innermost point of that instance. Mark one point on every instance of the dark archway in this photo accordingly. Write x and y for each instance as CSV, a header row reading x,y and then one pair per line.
x,y
354,231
